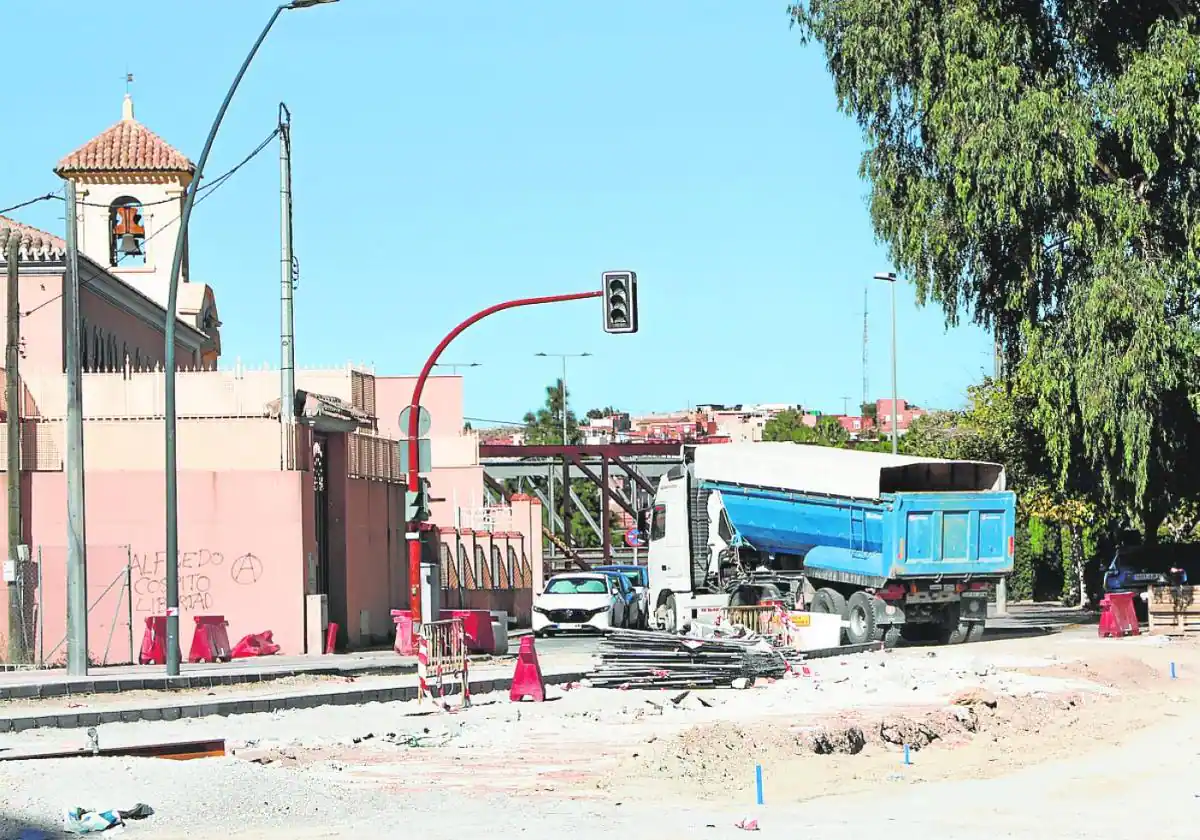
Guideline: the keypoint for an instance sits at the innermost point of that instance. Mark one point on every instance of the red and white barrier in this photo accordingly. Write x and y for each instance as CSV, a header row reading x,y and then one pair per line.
x,y
442,661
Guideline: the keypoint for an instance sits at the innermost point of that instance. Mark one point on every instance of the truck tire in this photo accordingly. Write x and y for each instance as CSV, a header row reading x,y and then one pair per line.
x,y
829,602
975,632
861,627
892,635
952,630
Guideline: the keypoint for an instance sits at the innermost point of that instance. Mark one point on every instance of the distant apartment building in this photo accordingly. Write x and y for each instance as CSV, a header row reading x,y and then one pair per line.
x,y
614,428
865,426
742,423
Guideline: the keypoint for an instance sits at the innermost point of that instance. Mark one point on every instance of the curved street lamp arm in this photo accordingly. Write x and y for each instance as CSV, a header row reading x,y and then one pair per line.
x,y
172,488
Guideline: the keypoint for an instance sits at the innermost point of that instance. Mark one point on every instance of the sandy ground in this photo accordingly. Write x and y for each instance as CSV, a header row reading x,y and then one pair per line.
x,y
1021,737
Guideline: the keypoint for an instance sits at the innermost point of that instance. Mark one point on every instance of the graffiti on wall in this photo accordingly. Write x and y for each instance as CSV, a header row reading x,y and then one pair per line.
x,y
197,572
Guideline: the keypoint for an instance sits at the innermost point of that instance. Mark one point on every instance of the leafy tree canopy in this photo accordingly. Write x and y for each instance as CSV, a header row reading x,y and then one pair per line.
x,y
545,426
1036,166
789,426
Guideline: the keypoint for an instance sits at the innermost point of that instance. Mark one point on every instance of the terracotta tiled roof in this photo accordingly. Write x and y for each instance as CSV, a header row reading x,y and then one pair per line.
x,y
126,147
36,245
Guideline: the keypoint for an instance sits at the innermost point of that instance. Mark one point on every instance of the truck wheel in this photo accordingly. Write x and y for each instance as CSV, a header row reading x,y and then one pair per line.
x,y
829,602
861,620
891,636
975,632
953,632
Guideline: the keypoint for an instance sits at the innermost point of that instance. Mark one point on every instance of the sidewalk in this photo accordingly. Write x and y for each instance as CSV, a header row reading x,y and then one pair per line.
x,y
196,702
33,683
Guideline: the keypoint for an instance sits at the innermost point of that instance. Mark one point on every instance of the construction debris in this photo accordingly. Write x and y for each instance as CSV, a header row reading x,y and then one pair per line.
x,y
723,657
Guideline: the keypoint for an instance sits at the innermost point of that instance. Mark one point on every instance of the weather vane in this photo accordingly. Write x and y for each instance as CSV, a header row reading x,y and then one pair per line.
x,y
128,81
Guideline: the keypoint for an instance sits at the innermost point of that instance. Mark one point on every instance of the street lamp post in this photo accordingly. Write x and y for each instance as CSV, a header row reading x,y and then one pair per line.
x,y
563,383
172,478
890,278
454,366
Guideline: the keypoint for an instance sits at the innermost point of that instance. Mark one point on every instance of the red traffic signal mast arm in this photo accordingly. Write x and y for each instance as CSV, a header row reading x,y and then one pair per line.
x,y
412,529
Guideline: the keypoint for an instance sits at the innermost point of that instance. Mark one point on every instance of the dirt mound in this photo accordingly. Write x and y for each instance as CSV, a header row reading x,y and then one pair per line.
x,y
848,740
1124,672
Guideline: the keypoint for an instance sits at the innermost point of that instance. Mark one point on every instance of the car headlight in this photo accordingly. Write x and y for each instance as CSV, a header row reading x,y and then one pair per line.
x,y
541,610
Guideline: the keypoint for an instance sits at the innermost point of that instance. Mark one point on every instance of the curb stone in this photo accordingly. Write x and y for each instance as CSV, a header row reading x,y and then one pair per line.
x,y
235,706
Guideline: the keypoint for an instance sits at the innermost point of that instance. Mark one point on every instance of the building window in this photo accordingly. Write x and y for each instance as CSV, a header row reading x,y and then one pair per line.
x,y
127,243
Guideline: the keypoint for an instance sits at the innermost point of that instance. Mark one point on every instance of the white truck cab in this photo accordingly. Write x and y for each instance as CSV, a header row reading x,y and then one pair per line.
x,y
675,544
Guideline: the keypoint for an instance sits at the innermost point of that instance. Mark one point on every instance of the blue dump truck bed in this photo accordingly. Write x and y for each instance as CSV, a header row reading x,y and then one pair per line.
x,y
902,535
864,514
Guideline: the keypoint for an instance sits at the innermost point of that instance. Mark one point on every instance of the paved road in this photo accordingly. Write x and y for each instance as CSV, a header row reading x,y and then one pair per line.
x,y
1022,619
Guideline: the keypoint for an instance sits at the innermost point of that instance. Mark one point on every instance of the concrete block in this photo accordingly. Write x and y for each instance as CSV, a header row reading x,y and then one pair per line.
x,y
66,721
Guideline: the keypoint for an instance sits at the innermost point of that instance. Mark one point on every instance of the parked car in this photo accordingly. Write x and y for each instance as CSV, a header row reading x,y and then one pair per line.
x,y
581,601
1138,567
639,580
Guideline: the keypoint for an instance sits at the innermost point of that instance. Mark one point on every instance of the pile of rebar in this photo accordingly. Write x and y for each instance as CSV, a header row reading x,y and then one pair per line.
x,y
638,659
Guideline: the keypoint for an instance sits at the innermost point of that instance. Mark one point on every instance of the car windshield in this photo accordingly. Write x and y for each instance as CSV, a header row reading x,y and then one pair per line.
x,y
576,586
634,578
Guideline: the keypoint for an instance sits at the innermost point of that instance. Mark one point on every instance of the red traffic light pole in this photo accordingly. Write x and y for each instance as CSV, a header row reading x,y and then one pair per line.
x,y
413,529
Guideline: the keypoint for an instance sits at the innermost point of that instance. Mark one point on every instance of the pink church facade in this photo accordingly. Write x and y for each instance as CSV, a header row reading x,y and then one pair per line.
x,y
264,523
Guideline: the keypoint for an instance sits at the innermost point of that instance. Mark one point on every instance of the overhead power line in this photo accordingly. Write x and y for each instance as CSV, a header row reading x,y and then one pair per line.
x,y
45,197
207,190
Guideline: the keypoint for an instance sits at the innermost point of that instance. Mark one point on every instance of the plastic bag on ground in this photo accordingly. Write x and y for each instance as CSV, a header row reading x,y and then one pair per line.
x,y
256,644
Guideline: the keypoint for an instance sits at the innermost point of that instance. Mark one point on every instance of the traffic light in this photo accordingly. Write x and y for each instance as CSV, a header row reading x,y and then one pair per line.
x,y
620,302
416,505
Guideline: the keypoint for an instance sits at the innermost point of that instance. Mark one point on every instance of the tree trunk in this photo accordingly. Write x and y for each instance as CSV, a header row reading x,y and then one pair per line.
x,y
1152,520
1079,562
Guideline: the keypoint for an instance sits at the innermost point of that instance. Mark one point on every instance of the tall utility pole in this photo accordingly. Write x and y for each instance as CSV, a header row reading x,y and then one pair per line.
x,y
866,382
12,391
890,278
287,280
77,607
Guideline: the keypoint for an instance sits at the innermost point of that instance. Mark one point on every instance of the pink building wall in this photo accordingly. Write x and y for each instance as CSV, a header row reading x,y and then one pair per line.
x,y
442,398
241,555
376,564
41,322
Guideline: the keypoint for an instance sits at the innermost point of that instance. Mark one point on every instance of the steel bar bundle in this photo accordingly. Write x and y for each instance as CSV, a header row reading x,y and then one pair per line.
x,y
636,659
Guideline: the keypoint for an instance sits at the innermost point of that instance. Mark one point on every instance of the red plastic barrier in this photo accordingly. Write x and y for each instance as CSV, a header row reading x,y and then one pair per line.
x,y
331,638
256,644
404,644
210,641
527,677
477,629
1117,617
154,641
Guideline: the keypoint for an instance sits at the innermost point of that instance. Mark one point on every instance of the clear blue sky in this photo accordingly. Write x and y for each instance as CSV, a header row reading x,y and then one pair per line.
x,y
452,155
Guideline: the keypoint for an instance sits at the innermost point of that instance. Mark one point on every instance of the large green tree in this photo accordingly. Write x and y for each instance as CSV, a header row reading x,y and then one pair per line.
x,y
1035,166
545,425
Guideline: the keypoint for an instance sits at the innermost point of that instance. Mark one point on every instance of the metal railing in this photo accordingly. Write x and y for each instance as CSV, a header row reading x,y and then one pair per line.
x,y
442,662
